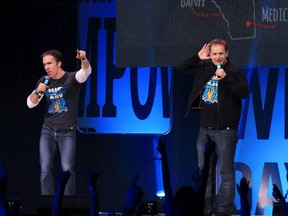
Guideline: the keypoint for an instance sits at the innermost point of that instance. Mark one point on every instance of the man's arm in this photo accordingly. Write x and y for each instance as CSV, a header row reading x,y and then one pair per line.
x,y
33,99
83,74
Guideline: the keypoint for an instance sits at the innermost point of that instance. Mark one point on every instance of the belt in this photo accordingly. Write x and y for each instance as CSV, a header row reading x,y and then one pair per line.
x,y
219,128
59,130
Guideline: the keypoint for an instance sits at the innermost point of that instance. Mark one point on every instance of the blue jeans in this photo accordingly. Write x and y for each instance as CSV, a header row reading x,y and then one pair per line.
x,y
225,142
50,139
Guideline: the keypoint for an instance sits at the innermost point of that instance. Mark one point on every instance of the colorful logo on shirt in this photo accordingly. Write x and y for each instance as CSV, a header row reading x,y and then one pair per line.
x,y
210,94
58,103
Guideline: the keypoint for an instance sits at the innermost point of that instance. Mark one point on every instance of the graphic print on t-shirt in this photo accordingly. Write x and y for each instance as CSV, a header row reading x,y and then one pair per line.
x,y
58,103
210,93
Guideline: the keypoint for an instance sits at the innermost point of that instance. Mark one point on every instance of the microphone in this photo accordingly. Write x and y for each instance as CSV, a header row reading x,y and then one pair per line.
x,y
46,81
219,66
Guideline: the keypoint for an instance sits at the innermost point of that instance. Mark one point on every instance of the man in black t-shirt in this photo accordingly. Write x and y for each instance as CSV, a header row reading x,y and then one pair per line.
x,y
61,92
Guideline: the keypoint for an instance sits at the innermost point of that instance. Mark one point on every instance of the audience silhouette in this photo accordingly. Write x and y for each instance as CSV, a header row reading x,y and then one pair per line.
x,y
63,178
188,200
91,175
133,204
3,198
133,200
243,189
282,208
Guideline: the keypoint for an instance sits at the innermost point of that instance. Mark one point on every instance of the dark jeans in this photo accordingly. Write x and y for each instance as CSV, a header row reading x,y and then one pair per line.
x,y
49,141
224,142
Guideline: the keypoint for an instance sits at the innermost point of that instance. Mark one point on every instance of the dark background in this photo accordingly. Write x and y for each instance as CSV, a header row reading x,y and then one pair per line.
x,y
28,28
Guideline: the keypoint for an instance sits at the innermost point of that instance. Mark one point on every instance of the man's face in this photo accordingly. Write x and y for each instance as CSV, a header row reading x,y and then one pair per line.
x,y
51,66
218,54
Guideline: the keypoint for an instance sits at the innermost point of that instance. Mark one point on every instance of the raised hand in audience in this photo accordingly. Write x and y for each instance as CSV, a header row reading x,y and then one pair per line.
x,y
132,203
169,199
63,178
243,189
91,175
277,194
3,198
186,200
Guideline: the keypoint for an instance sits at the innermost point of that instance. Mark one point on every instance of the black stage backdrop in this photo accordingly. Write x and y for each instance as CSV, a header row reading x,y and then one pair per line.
x,y
29,28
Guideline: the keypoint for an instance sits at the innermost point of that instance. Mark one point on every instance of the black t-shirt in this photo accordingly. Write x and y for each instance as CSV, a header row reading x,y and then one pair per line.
x,y
62,102
209,103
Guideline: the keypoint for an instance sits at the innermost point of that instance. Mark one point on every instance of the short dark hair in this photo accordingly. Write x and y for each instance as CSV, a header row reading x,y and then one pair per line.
x,y
55,53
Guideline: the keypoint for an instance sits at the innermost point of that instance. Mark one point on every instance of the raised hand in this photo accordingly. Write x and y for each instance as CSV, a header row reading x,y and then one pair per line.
x,y
204,53
2,179
162,147
3,206
243,187
277,194
166,177
91,175
80,54
63,177
133,198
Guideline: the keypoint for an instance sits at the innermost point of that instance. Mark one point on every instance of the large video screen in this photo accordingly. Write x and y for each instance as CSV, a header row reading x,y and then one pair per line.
x,y
165,32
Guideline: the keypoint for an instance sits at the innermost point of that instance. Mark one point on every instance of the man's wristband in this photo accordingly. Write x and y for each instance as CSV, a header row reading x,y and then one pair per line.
x,y
37,93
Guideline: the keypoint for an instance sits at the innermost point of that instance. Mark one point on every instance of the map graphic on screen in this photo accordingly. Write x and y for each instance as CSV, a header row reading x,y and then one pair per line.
x,y
165,32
